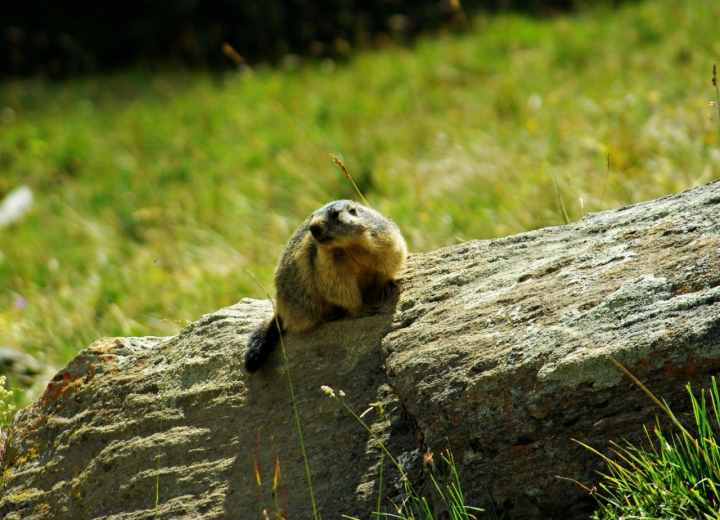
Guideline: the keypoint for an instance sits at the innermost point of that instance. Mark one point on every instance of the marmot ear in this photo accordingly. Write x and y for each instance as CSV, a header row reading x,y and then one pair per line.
x,y
351,209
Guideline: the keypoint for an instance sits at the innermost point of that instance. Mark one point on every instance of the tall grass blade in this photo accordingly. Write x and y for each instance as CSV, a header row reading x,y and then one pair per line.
x,y
562,206
292,398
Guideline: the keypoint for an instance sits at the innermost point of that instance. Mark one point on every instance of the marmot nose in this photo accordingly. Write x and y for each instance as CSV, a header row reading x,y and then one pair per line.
x,y
316,230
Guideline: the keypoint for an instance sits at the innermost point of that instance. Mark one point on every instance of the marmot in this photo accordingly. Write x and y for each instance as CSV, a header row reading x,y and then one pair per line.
x,y
344,256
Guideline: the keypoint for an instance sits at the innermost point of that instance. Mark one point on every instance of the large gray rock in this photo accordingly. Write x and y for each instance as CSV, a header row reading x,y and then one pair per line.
x,y
495,349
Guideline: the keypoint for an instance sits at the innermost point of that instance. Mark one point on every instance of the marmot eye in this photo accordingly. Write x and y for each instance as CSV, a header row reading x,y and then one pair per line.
x,y
352,210
334,213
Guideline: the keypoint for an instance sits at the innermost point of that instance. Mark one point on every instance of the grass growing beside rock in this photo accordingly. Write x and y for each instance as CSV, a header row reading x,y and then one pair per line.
x,y
448,502
7,410
677,475
154,192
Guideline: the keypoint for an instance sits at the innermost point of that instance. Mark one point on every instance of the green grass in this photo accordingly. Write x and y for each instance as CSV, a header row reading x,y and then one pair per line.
x,y
156,191
448,500
676,475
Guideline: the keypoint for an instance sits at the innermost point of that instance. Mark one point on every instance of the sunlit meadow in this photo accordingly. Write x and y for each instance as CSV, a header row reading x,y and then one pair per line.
x,y
156,191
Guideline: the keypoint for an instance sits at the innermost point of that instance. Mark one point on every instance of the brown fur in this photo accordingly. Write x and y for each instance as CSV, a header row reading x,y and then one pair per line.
x,y
342,258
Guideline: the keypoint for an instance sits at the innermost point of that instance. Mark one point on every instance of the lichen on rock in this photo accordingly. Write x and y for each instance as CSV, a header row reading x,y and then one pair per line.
x,y
495,349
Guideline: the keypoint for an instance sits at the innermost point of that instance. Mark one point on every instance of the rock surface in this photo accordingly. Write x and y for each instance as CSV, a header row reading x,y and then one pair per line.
x,y
495,349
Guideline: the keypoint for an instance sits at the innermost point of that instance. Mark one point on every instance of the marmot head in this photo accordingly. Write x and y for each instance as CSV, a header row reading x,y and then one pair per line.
x,y
338,222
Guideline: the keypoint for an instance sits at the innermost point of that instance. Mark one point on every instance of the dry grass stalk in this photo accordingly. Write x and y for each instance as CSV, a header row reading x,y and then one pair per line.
x,y
607,174
562,206
347,174
717,92
457,10
233,54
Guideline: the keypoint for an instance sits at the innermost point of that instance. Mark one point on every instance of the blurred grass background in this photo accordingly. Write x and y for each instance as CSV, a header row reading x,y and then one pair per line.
x,y
155,192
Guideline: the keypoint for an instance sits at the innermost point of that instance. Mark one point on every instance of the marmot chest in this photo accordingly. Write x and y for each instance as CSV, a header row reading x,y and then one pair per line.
x,y
357,262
